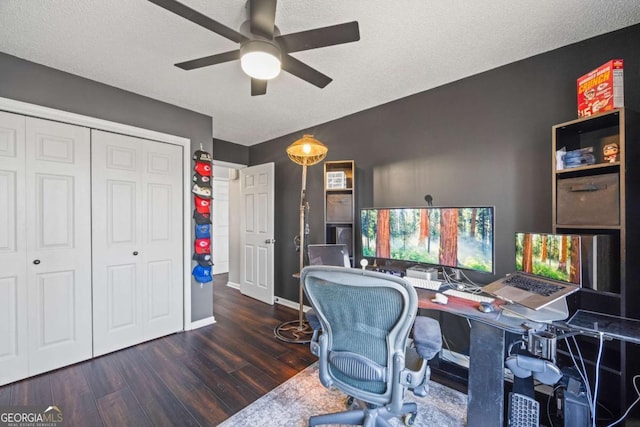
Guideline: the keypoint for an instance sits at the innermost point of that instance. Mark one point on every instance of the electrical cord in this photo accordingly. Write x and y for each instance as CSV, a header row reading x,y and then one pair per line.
x,y
582,375
595,388
635,386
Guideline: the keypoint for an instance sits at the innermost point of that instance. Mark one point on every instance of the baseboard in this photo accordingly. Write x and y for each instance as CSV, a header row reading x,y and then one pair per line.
x,y
291,304
278,300
201,323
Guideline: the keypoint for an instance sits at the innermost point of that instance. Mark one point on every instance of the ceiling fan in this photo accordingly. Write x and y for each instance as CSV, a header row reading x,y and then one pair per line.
x,y
263,51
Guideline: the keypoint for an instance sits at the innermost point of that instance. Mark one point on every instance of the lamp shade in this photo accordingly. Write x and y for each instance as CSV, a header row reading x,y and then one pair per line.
x,y
260,59
307,151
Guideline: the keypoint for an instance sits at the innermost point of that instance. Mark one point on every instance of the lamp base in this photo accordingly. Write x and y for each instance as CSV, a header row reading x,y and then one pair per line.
x,y
294,331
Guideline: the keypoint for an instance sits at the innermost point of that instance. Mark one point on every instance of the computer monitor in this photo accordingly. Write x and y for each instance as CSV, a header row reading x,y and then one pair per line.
x,y
455,237
329,254
553,256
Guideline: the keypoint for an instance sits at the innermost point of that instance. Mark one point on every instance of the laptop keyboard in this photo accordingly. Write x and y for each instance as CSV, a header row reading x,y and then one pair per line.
x,y
532,285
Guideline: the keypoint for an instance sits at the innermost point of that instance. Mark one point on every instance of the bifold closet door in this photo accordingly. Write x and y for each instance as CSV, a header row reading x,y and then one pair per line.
x,y
58,224
137,240
45,247
13,250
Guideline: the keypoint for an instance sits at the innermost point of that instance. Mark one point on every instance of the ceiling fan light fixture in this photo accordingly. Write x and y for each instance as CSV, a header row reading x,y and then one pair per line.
x,y
260,59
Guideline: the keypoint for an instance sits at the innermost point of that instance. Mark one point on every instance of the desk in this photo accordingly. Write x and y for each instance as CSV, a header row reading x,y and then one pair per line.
x,y
485,401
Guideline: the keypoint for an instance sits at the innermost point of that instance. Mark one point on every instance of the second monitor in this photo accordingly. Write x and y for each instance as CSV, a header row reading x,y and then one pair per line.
x,y
329,254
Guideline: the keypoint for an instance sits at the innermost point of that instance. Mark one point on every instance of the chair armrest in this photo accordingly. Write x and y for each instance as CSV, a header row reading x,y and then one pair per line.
x,y
427,337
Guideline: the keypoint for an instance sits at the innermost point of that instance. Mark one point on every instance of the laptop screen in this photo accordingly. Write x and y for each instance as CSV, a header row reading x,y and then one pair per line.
x,y
329,254
552,256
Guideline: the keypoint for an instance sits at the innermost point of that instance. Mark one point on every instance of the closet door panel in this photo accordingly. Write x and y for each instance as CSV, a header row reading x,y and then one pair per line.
x,y
137,205
117,242
58,213
162,234
13,267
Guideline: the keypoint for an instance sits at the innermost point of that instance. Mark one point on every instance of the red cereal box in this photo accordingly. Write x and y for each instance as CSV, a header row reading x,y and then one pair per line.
x,y
602,89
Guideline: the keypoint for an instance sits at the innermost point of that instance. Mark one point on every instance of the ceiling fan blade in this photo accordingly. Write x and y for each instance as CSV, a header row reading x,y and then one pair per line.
x,y
305,72
200,19
258,87
320,37
263,17
209,60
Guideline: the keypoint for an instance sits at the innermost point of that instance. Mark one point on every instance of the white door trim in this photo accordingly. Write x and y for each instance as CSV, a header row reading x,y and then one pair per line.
x,y
19,107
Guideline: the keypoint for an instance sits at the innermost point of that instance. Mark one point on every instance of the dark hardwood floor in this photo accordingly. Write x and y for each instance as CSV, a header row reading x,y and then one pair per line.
x,y
195,378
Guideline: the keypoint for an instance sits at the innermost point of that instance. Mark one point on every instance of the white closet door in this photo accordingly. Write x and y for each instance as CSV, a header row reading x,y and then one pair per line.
x,y
58,224
13,250
137,240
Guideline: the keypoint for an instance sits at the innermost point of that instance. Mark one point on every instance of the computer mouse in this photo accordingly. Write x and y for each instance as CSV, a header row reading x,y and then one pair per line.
x,y
486,307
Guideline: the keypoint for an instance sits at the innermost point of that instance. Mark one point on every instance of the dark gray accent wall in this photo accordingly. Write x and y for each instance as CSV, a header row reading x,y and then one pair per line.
x,y
37,84
230,152
483,140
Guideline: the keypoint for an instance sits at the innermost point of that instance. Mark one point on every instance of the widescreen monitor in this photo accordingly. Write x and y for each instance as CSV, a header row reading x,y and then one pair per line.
x,y
455,237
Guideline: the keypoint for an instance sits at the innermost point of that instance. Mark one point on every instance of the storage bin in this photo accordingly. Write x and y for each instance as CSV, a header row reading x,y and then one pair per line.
x,y
589,200
339,208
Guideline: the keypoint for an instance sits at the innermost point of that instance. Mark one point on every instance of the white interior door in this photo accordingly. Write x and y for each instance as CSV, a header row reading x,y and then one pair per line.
x,y
257,231
13,250
58,224
137,240
220,220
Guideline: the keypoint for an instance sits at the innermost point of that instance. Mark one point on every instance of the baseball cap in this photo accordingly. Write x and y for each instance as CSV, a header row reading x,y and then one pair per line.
x,y
201,217
203,259
202,274
201,156
203,231
202,181
202,205
204,192
203,168
202,246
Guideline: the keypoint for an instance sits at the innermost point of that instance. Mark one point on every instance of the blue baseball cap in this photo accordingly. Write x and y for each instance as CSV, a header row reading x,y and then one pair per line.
x,y
202,274
203,231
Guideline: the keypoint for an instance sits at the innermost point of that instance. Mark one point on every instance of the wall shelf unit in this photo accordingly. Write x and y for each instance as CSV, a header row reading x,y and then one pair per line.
x,y
603,199
339,203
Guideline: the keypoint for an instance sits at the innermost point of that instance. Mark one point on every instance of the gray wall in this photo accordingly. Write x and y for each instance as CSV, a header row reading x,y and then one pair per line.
x,y
483,140
33,83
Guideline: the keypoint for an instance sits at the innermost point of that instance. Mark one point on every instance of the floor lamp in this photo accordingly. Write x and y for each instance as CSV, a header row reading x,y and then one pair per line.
x,y
306,151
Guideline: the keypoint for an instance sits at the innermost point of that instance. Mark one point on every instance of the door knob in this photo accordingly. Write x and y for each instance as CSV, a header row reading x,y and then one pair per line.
x,y
36,261
270,241
135,253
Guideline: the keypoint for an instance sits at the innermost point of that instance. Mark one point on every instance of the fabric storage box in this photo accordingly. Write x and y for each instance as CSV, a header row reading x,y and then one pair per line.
x,y
339,208
589,200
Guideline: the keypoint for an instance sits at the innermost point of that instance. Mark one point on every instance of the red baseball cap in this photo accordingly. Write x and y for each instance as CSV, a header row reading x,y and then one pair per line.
x,y
203,169
202,246
202,205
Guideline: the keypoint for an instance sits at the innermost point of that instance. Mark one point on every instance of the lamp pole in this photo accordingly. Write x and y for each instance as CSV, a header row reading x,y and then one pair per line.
x,y
306,151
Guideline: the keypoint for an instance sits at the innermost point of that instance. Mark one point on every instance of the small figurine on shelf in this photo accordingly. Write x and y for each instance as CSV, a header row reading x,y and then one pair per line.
x,y
610,152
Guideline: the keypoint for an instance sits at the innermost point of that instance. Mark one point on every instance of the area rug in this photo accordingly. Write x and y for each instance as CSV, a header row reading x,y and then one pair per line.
x,y
293,402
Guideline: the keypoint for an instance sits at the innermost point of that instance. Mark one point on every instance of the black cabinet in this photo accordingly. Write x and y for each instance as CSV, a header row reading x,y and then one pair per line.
x,y
339,203
596,193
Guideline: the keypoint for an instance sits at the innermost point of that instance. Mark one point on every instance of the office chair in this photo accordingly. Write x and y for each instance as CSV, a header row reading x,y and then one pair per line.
x,y
364,348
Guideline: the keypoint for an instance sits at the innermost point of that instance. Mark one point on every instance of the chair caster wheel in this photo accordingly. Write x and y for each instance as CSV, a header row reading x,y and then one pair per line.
x,y
410,418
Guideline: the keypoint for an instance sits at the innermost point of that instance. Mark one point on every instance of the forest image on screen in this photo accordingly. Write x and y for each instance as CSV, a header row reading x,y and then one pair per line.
x,y
556,256
450,237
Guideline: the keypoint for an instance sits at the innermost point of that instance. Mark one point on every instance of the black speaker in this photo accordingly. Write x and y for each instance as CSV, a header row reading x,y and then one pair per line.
x,y
344,236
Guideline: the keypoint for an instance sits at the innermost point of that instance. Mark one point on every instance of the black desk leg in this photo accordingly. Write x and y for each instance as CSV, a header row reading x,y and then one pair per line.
x,y
485,402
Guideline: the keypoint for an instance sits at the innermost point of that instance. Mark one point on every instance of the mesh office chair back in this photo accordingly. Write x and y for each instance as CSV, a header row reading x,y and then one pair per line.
x,y
366,318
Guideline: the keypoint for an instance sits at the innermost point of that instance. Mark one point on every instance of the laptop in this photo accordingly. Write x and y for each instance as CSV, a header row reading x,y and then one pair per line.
x,y
548,268
329,254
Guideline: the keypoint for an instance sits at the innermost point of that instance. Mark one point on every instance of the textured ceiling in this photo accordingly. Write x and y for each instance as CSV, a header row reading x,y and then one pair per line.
x,y
406,47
